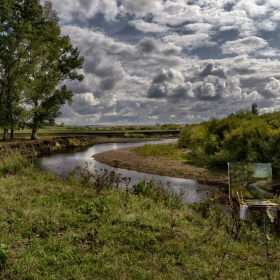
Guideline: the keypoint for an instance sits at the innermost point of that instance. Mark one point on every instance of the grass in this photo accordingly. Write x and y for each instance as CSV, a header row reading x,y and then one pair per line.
x,y
55,228
172,151
169,150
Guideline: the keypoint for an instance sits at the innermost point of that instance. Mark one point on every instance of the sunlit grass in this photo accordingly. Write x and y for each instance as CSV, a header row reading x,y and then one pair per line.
x,y
55,228
169,150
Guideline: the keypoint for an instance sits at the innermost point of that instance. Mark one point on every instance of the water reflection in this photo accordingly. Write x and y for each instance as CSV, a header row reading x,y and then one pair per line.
x,y
60,165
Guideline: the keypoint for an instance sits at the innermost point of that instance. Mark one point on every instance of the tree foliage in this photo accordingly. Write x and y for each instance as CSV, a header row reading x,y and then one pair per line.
x,y
35,60
240,137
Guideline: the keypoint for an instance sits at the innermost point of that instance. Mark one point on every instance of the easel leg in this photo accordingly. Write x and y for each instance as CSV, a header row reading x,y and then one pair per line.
x,y
265,242
230,234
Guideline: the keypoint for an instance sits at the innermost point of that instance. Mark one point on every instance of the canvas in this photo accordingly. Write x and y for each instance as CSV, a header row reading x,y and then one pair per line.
x,y
250,180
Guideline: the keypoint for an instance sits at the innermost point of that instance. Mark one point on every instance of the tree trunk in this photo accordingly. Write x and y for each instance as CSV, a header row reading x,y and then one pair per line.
x,y
5,134
34,134
12,134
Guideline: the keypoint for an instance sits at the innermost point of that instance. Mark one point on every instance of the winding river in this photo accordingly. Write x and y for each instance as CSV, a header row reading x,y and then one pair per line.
x,y
60,165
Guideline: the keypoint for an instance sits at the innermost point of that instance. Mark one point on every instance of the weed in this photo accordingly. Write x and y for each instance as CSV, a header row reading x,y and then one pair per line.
x,y
160,193
98,180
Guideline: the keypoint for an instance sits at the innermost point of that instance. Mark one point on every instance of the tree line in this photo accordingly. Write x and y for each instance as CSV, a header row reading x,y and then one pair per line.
x,y
35,60
244,136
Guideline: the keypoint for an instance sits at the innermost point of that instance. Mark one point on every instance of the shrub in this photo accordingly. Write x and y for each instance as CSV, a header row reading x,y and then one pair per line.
x,y
72,142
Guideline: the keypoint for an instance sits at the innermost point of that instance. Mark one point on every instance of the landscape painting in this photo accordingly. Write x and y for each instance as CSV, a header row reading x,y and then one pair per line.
x,y
250,180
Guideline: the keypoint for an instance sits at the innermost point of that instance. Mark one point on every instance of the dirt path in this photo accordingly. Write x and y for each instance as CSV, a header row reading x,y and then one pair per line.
x,y
127,158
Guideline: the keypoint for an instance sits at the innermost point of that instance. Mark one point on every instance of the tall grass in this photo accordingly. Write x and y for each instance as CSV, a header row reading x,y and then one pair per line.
x,y
12,163
55,228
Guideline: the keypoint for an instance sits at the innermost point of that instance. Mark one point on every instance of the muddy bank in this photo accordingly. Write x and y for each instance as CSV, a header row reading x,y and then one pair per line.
x,y
48,145
127,158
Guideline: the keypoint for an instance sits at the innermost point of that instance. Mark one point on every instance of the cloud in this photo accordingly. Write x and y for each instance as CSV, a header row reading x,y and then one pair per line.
x,y
210,69
190,42
273,86
244,45
170,75
146,46
146,27
156,60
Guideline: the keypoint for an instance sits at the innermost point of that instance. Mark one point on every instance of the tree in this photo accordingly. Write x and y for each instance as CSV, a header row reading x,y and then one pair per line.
x,y
56,61
254,109
35,61
13,50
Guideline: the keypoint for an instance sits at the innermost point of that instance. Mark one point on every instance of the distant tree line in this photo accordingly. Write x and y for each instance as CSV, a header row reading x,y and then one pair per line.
x,y
35,59
243,136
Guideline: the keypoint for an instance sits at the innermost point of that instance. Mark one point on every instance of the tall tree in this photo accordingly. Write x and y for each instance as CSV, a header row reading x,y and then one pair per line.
x,y
254,109
13,51
55,61
34,60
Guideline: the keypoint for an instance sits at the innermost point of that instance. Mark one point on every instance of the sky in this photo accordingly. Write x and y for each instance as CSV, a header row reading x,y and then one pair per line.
x,y
171,61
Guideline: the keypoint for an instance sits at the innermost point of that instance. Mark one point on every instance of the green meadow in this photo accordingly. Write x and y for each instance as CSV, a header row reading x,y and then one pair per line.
x,y
87,227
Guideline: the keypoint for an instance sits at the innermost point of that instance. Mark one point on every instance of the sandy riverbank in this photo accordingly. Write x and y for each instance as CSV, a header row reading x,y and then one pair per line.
x,y
127,158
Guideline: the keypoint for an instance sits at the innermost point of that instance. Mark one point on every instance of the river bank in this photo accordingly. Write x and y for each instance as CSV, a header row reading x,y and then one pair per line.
x,y
127,158
123,158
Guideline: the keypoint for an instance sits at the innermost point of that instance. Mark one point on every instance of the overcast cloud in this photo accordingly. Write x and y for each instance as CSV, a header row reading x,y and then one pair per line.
x,y
171,61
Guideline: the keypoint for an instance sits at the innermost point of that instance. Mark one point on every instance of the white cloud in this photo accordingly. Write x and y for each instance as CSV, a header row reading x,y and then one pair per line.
x,y
273,86
147,26
244,45
189,41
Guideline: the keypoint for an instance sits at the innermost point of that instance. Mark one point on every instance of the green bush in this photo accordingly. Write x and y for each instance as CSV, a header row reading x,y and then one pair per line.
x,y
72,143
240,137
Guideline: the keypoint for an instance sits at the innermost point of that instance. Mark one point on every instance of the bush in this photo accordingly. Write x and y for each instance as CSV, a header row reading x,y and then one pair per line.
x,y
72,143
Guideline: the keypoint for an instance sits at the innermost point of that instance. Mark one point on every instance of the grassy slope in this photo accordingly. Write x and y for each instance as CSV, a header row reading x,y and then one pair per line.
x,y
57,229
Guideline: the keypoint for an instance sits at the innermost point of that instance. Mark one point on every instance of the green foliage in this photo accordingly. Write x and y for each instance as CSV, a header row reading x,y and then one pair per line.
x,y
240,137
255,110
171,126
160,193
98,180
72,143
55,228
134,135
12,163
5,253
30,93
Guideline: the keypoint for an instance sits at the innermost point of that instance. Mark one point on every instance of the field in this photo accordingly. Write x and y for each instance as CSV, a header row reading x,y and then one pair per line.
x,y
65,229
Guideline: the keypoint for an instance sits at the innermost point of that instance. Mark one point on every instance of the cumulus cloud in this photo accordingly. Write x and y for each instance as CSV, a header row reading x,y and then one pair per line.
x,y
245,45
189,41
147,27
273,86
210,69
146,46
157,73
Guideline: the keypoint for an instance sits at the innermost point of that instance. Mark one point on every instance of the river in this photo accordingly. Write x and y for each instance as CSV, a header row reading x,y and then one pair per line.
x,y
60,164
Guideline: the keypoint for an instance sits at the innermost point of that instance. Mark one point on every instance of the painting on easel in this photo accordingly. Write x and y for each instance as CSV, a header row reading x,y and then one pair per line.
x,y
250,180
